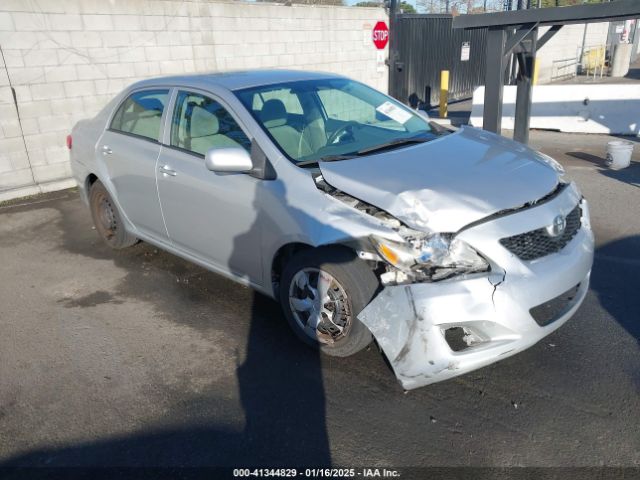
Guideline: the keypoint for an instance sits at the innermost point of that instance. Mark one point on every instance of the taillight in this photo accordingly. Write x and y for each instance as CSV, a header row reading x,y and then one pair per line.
x,y
69,142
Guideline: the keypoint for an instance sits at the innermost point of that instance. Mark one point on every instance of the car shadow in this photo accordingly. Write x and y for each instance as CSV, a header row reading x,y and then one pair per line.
x,y
284,407
280,380
282,398
614,279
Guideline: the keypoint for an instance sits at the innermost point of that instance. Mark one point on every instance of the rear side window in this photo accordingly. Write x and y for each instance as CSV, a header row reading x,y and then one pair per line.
x,y
141,114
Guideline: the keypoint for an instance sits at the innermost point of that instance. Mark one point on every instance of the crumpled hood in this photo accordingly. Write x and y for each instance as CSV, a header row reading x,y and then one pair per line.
x,y
447,183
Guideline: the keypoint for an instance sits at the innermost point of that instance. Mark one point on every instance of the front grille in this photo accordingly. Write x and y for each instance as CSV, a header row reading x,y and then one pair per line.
x,y
548,312
538,243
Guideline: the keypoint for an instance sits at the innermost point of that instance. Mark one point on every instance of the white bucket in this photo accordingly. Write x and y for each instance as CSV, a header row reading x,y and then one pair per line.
x,y
619,154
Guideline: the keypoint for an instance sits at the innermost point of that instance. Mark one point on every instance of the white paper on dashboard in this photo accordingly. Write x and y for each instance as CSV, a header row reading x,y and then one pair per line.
x,y
394,112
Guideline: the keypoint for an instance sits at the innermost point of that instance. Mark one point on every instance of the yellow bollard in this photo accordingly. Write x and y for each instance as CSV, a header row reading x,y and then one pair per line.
x,y
444,92
536,65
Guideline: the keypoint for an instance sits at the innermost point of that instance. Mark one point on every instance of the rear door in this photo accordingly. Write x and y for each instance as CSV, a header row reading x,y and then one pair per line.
x,y
211,216
130,148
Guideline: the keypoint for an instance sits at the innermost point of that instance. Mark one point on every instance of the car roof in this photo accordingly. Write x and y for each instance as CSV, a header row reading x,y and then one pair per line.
x,y
235,80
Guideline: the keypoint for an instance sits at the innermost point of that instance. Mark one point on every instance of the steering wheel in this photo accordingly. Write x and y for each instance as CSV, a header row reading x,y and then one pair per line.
x,y
340,131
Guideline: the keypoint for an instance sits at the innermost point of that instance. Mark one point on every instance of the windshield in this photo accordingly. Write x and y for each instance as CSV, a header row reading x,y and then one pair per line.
x,y
332,119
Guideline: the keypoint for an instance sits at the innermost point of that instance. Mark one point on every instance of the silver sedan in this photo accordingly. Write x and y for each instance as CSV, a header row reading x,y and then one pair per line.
x,y
453,248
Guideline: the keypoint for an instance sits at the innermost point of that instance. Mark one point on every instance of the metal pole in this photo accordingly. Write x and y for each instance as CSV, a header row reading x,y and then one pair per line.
x,y
444,93
526,61
393,9
393,48
584,41
494,81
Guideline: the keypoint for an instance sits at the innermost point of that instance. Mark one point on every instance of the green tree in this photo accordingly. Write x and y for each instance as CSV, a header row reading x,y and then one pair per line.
x,y
306,2
403,6
407,7
561,3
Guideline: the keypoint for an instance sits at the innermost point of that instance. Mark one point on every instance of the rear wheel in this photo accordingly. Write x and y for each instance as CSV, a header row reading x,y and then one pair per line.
x,y
107,219
322,292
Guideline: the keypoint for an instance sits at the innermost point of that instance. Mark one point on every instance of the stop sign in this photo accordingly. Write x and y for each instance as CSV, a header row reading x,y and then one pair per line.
x,y
380,35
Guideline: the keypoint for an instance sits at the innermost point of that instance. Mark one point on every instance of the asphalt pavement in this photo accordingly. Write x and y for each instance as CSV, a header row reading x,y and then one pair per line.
x,y
139,358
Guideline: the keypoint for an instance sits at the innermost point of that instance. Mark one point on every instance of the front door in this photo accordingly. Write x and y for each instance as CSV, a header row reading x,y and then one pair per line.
x,y
130,148
211,216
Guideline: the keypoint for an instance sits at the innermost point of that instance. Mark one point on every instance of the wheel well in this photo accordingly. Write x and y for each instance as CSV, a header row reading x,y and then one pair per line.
x,y
284,254
91,179
281,258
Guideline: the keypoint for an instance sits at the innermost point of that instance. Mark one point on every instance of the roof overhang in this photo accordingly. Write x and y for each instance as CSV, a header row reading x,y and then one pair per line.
x,y
601,12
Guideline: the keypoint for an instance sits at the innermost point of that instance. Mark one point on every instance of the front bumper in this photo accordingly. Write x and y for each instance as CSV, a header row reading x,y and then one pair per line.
x,y
494,311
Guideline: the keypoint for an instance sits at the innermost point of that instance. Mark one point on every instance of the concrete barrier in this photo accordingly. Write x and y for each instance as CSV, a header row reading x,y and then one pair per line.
x,y
612,109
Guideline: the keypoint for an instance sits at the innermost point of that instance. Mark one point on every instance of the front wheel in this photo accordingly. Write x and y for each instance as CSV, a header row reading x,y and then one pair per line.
x,y
321,293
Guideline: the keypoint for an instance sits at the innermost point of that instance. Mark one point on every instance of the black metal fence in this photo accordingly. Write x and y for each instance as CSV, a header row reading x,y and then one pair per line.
x,y
424,46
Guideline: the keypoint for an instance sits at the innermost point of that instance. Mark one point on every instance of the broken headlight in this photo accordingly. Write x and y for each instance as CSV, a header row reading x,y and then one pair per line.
x,y
435,256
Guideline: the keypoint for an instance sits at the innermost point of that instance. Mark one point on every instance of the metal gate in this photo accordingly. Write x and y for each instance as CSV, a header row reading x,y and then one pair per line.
x,y
424,45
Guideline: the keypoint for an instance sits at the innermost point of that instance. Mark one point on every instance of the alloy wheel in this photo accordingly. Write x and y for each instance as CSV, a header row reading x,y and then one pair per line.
x,y
320,305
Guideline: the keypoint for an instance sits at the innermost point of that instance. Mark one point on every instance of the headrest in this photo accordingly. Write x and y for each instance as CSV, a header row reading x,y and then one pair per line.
x,y
140,104
203,123
273,113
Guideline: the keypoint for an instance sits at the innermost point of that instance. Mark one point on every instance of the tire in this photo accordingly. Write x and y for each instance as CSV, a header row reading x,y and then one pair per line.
x,y
352,285
107,219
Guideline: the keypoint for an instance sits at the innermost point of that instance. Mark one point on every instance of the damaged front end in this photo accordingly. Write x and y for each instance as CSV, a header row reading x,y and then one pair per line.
x,y
431,332
426,257
419,256
446,309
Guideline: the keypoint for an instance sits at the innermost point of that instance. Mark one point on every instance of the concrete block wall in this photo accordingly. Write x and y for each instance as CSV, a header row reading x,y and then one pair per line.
x,y
64,59
567,44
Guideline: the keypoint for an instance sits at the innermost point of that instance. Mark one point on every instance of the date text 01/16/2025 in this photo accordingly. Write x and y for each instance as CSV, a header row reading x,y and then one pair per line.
x,y
317,472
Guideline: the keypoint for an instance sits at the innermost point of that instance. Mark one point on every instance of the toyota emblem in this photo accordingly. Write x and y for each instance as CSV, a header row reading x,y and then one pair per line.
x,y
557,227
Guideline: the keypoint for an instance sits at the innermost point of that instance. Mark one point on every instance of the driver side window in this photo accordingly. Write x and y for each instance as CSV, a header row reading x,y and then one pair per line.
x,y
200,123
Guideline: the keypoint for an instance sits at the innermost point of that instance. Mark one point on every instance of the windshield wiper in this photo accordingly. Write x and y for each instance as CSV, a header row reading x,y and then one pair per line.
x,y
307,163
383,146
393,143
342,156
328,158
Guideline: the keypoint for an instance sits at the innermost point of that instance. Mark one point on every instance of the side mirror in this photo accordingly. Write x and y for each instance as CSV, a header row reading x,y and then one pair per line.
x,y
228,159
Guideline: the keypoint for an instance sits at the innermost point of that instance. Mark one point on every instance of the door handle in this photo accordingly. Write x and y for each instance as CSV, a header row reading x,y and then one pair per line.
x,y
166,170
106,150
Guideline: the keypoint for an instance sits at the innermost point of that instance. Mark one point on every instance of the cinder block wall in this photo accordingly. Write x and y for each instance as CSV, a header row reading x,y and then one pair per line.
x,y
64,59
567,44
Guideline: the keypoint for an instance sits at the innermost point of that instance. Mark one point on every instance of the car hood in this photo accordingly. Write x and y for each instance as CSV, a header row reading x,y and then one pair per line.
x,y
447,183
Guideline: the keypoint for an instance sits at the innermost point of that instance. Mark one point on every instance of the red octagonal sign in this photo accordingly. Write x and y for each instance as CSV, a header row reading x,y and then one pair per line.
x,y
380,35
